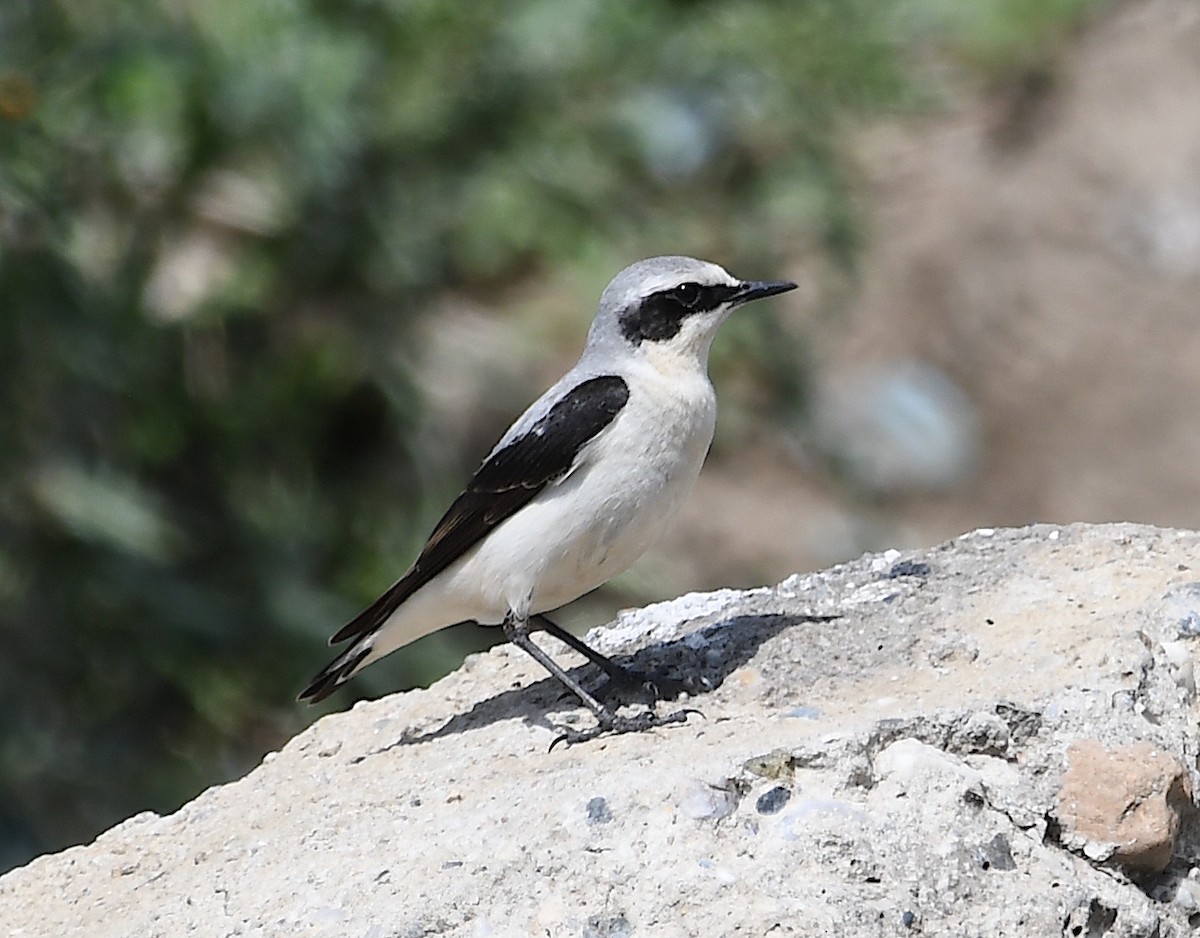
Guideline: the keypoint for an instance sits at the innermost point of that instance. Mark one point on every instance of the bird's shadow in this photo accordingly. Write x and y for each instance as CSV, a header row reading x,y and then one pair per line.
x,y
705,657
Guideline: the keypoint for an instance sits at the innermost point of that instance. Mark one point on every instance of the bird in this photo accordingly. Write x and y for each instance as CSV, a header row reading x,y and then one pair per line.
x,y
577,489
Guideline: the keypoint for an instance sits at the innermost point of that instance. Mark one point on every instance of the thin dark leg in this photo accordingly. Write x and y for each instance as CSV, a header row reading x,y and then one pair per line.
x,y
607,721
607,665
518,634
664,687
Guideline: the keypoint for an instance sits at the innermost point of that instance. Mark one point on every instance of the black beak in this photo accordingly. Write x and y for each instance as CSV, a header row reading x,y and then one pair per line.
x,y
758,289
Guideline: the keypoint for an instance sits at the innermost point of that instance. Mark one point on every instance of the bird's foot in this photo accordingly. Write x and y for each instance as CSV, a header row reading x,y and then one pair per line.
x,y
615,724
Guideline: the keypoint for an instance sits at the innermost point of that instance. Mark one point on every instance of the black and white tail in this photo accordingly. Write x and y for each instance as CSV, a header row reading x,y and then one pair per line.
x,y
338,671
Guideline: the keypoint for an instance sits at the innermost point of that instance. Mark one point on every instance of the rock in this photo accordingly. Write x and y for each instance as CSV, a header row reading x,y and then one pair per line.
x,y
915,768
922,793
1126,803
773,801
1181,607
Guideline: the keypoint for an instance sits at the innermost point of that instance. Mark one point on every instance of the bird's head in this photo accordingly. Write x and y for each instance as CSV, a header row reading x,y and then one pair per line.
x,y
672,306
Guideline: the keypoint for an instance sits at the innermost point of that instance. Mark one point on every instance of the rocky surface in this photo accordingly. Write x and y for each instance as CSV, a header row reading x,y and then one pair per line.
x,y
996,737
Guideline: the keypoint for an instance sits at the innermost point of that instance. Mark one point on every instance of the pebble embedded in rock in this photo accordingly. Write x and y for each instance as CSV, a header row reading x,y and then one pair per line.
x,y
996,854
778,763
702,800
1181,608
984,733
772,802
598,811
1124,803
916,767
908,568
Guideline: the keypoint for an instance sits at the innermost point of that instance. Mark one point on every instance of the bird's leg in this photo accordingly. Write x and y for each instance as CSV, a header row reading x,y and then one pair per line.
x,y
662,686
517,632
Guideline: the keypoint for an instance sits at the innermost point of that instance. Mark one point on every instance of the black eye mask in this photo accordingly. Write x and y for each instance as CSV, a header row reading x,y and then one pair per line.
x,y
660,316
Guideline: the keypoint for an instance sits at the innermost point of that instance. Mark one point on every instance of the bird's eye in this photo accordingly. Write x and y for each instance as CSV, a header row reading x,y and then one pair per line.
x,y
687,294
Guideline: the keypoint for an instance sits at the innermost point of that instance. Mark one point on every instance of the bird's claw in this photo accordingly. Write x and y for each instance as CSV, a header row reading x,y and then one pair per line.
x,y
616,725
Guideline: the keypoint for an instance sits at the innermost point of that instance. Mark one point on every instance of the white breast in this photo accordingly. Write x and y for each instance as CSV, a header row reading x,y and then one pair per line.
x,y
626,488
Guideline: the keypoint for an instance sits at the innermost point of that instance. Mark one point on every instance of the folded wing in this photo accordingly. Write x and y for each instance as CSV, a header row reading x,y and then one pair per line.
x,y
507,481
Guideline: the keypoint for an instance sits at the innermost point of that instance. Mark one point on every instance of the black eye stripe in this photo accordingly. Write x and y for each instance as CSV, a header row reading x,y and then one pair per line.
x,y
660,316
696,298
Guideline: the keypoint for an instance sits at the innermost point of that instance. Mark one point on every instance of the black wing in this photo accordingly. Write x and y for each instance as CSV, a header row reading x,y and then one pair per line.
x,y
504,484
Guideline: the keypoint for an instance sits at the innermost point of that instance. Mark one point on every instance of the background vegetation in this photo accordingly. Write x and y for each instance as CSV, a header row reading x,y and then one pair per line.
x,y
221,224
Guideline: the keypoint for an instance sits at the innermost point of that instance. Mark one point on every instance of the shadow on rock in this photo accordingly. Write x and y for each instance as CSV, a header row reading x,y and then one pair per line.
x,y
702,659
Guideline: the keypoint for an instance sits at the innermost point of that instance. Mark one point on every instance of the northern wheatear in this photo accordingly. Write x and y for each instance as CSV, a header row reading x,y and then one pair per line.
x,y
578,488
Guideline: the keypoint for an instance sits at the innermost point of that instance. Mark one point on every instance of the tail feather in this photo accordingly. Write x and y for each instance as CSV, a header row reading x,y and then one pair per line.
x,y
371,618
336,673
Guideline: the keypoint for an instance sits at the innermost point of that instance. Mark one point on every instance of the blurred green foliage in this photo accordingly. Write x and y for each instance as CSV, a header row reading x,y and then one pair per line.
x,y
220,221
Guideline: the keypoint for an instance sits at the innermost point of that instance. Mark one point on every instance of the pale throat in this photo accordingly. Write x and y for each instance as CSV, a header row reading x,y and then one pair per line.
x,y
684,358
